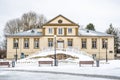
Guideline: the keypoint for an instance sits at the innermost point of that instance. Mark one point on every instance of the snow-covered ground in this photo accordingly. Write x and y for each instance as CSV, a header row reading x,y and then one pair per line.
x,y
67,69
43,76
109,70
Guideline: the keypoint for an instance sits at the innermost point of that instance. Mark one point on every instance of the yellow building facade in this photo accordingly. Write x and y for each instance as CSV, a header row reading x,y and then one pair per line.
x,y
68,35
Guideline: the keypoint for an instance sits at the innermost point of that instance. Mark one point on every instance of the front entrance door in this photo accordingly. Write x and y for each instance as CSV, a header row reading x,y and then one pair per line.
x,y
60,44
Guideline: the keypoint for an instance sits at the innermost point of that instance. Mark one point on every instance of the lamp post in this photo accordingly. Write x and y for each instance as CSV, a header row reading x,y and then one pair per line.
x,y
55,61
106,50
16,50
16,55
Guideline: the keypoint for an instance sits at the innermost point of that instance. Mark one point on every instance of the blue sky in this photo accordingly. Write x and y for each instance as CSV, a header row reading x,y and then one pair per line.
x,y
99,12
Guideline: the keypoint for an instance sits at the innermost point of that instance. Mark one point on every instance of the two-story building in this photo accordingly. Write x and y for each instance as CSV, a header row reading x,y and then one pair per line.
x,y
67,33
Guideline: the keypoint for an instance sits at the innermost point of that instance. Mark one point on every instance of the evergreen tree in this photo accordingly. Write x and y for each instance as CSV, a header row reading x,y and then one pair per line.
x,y
90,26
113,31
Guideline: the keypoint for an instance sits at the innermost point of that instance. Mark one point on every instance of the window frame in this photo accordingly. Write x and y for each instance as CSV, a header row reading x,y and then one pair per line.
x,y
50,42
26,43
50,30
94,43
36,43
60,31
104,44
15,44
69,30
84,43
70,42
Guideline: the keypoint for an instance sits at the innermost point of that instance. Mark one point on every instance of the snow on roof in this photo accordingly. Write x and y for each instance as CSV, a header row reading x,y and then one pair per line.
x,y
81,32
86,32
33,32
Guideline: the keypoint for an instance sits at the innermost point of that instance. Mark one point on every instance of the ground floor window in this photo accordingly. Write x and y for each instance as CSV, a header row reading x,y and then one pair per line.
x,y
26,43
15,43
36,43
50,42
104,43
94,43
70,42
84,43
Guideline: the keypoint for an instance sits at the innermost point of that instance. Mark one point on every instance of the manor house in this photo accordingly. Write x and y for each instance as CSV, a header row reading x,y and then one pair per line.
x,y
68,34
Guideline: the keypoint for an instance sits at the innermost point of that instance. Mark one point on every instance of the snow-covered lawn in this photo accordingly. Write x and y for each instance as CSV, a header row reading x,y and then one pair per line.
x,y
111,68
68,67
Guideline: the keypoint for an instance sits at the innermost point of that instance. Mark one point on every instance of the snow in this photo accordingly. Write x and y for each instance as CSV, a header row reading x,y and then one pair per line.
x,y
111,68
43,76
72,51
68,67
85,32
82,32
32,32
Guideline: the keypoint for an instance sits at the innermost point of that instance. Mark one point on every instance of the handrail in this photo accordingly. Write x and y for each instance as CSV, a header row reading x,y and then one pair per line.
x,y
69,49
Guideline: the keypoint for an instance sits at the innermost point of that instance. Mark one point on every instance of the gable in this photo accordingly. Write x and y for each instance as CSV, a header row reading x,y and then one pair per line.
x,y
61,21
58,19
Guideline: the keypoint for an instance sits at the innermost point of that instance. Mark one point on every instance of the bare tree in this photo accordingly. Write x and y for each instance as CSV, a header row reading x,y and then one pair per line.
x,y
29,20
12,26
32,20
41,21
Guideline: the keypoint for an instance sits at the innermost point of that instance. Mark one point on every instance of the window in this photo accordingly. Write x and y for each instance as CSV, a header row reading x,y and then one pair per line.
x,y
36,43
60,21
104,43
50,30
70,42
69,30
84,41
15,43
26,43
94,43
50,42
59,30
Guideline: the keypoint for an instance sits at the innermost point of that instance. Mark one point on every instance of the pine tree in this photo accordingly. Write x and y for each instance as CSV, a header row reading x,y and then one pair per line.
x,y
113,31
90,26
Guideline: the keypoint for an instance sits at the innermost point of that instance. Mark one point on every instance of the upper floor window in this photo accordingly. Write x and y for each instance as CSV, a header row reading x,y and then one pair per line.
x,y
50,30
15,43
94,43
50,42
104,43
69,30
70,42
60,31
26,43
36,43
84,43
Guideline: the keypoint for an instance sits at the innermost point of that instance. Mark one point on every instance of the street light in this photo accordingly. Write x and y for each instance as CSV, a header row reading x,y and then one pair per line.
x,y
106,50
16,50
55,61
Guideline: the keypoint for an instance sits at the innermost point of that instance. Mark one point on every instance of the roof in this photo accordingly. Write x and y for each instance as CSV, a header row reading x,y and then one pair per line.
x,y
33,32
81,32
47,24
86,32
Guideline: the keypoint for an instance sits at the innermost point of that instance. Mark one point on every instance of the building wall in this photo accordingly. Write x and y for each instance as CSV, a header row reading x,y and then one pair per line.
x,y
43,43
